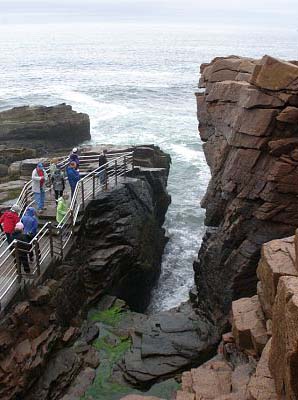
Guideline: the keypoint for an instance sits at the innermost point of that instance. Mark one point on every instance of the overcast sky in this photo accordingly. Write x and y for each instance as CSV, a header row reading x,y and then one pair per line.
x,y
281,12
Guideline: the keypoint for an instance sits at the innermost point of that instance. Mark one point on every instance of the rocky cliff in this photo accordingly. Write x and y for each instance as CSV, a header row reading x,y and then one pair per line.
x,y
40,126
248,121
120,252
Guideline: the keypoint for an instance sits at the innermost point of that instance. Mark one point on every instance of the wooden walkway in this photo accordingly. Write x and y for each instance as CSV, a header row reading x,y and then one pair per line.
x,y
53,242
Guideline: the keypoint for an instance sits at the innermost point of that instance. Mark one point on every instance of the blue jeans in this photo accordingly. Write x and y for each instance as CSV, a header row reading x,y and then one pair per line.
x,y
39,199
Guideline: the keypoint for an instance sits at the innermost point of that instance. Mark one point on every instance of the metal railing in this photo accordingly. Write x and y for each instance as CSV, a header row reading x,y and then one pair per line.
x,y
26,198
50,243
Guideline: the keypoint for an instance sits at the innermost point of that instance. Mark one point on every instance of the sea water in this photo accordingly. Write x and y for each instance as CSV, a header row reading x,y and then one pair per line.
x,y
137,84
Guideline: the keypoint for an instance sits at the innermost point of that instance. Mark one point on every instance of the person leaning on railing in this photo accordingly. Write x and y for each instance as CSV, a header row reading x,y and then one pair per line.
x,y
39,179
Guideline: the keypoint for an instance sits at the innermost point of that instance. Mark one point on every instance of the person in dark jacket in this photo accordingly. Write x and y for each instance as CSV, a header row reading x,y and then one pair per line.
x,y
58,183
102,160
9,220
73,176
22,245
74,157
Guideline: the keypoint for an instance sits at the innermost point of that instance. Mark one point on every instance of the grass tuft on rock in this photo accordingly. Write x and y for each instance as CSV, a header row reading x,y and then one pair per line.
x,y
111,317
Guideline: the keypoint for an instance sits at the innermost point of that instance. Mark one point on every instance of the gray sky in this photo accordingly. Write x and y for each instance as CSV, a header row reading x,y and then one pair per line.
x,y
281,12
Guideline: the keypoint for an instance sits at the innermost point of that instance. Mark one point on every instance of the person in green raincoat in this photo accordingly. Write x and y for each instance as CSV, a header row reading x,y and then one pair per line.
x,y
62,207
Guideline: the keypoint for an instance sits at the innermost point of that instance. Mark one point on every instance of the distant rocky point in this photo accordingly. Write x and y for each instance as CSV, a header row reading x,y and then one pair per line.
x,y
53,127
29,132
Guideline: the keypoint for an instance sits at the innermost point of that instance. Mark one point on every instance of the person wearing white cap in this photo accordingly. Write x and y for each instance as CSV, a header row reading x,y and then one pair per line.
x,y
74,157
22,244
8,221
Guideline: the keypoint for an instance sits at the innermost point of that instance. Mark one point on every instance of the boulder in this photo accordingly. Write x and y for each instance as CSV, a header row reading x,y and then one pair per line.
x,y
249,326
289,115
166,343
284,349
216,380
278,259
211,380
275,74
261,385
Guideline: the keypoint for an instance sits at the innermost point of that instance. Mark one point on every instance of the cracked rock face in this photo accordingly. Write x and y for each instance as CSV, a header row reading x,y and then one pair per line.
x,y
123,239
248,123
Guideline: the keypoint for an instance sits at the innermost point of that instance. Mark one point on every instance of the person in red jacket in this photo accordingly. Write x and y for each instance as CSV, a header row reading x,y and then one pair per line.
x,y
9,220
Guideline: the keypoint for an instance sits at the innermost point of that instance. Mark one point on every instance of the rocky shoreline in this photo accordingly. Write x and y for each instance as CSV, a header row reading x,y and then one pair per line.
x,y
236,338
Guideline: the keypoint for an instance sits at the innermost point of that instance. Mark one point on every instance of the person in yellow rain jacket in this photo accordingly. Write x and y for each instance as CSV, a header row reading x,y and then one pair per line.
x,y
62,207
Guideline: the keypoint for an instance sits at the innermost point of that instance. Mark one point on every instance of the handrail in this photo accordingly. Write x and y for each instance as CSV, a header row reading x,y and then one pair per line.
x,y
50,243
26,197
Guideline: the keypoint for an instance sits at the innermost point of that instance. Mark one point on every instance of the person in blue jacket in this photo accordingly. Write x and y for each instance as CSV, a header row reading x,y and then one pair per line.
x,y
73,176
30,223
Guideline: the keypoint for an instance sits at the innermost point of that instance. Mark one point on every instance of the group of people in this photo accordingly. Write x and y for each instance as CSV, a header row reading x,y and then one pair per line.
x,y
24,229
40,179
21,229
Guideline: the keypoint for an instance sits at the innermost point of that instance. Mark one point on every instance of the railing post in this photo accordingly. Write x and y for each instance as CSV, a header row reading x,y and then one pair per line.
x,y
106,178
26,198
125,166
93,186
51,239
37,255
61,242
116,177
133,160
18,260
72,222
83,194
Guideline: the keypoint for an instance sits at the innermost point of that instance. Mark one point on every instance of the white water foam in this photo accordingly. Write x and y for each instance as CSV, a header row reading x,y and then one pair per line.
x,y
99,111
185,152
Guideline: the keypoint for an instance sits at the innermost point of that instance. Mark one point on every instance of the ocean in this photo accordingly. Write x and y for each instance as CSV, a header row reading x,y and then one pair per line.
x,y
137,83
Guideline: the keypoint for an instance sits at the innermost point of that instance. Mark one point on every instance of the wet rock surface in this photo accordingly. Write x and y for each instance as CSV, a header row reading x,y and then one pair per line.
x,y
247,120
167,343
